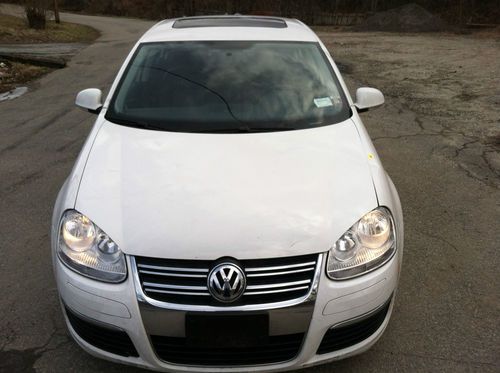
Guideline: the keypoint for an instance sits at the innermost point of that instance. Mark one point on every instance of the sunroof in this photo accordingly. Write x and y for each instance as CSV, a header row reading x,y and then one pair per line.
x,y
230,22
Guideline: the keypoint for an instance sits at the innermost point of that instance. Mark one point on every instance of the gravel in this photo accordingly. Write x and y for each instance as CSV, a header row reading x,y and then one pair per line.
x,y
406,18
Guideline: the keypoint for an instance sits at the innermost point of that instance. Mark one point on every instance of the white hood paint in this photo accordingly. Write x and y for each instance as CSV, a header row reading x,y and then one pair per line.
x,y
205,196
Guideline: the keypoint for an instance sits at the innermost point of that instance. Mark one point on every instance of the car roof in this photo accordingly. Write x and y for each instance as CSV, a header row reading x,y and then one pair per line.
x,y
234,27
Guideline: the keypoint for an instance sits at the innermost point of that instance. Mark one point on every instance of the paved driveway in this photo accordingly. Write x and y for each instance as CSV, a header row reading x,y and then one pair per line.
x,y
447,311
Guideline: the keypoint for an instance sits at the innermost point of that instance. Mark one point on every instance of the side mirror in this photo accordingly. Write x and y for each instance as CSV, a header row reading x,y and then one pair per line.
x,y
367,98
90,99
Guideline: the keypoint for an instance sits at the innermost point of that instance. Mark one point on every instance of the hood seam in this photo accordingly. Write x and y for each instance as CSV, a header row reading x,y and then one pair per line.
x,y
86,161
367,163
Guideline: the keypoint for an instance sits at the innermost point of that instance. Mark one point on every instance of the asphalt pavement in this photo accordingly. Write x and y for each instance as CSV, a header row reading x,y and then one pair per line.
x,y
446,316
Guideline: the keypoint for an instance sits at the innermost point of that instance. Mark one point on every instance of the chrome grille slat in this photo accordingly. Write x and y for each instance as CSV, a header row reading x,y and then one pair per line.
x,y
174,292
280,285
180,287
269,281
172,274
280,273
277,291
179,269
278,267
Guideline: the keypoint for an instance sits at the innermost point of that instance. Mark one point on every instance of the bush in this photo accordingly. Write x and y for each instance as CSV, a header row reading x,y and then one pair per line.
x,y
36,13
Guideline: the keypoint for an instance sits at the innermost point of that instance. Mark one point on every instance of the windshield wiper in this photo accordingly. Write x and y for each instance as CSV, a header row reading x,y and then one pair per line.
x,y
244,130
228,107
135,123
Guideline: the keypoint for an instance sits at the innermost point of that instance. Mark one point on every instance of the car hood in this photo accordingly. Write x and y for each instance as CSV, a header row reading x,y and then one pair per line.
x,y
205,196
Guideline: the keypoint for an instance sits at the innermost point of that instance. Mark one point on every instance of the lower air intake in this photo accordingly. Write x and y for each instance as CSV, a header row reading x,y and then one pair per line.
x,y
345,336
111,340
178,351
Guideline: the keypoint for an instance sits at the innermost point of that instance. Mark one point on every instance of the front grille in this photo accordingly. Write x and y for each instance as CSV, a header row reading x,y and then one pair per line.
x,y
345,336
278,349
268,280
111,340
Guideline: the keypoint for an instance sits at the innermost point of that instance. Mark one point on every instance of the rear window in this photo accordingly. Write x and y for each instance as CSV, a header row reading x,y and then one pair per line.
x,y
228,86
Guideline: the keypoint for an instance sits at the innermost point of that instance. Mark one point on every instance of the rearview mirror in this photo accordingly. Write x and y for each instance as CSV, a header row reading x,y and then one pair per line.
x,y
90,99
367,98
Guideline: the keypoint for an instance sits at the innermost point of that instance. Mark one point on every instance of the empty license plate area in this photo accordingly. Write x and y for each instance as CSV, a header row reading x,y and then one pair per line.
x,y
227,330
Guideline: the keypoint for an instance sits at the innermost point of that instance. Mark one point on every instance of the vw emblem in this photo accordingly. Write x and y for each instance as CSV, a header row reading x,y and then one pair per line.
x,y
226,282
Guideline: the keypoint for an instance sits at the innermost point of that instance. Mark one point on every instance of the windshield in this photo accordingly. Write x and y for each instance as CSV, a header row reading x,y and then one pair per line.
x,y
228,86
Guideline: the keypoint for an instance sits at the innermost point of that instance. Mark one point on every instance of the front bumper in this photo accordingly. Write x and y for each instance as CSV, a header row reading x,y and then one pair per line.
x,y
336,303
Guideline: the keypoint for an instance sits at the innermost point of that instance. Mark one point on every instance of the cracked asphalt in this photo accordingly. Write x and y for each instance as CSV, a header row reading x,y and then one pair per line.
x,y
438,136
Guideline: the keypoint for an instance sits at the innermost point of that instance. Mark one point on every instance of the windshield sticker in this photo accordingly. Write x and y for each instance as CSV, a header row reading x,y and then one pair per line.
x,y
323,102
337,101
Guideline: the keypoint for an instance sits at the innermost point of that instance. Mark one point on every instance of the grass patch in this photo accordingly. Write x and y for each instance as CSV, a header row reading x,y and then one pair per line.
x,y
13,74
16,30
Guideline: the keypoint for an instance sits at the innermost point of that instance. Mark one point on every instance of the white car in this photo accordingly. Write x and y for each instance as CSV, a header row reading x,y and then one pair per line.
x,y
228,211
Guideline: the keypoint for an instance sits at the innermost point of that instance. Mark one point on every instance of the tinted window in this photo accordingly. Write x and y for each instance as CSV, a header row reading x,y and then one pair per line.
x,y
228,86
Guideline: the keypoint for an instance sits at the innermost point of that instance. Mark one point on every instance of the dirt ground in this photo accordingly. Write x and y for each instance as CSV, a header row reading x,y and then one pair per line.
x,y
15,30
450,82
14,74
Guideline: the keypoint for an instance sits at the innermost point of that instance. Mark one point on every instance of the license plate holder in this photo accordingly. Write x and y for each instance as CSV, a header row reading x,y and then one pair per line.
x,y
227,330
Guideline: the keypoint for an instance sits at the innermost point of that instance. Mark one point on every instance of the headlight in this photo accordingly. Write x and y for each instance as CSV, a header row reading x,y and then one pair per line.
x,y
366,245
86,249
